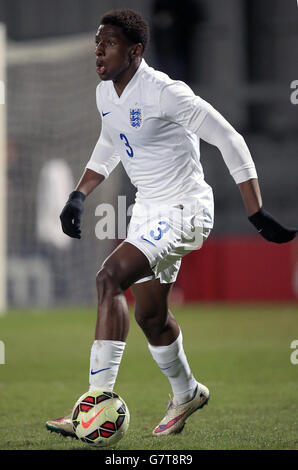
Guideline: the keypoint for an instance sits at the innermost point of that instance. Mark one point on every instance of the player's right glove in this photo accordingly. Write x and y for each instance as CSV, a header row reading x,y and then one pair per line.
x,y
71,214
270,229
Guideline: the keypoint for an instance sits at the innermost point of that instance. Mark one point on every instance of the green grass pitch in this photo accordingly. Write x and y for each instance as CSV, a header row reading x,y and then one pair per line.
x,y
242,353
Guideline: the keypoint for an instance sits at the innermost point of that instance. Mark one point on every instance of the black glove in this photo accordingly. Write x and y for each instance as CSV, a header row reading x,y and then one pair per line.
x,y
71,214
270,229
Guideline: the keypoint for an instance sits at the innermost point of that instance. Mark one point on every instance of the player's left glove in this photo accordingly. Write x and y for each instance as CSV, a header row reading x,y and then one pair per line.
x,y
270,229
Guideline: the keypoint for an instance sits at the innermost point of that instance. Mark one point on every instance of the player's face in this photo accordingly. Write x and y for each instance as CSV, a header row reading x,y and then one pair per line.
x,y
112,52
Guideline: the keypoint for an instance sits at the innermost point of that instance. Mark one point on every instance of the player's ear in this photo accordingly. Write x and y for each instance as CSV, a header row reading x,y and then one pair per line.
x,y
136,50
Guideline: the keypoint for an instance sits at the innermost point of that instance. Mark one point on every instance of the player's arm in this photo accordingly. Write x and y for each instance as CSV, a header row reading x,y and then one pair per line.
x,y
179,104
217,131
70,216
102,162
264,222
89,181
251,195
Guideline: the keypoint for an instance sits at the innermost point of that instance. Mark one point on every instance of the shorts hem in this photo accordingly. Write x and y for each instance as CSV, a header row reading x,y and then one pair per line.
x,y
146,278
139,246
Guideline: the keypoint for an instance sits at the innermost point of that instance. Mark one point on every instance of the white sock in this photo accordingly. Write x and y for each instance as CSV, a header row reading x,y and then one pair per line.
x,y
105,359
172,361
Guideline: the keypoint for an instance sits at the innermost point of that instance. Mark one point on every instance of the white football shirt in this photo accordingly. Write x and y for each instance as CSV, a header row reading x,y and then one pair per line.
x,y
154,128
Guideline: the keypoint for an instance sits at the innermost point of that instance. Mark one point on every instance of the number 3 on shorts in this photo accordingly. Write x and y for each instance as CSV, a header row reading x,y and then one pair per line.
x,y
160,232
130,151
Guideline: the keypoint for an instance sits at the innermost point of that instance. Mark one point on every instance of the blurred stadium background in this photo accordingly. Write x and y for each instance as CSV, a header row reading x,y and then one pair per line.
x,y
241,55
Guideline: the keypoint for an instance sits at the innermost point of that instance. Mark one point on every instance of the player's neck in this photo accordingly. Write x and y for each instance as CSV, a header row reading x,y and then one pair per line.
x,y
122,81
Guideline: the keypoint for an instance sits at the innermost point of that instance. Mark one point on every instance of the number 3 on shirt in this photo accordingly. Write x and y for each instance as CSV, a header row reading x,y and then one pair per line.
x,y
130,150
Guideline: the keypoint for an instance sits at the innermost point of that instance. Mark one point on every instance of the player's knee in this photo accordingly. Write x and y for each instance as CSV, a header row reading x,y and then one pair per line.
x,y
151,321
106,283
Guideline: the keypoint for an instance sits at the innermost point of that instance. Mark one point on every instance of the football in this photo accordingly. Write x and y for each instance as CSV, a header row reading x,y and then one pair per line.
x,y
100,418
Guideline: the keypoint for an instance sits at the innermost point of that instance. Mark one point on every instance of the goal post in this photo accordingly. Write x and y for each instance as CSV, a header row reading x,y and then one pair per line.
x,y
3,149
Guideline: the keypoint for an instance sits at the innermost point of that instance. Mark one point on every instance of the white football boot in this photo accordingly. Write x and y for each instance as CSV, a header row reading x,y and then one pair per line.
x,y
62,426
176,415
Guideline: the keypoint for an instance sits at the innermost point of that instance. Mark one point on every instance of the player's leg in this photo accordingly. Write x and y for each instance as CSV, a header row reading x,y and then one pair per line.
x,y
166,346
123,267
164,336
152,312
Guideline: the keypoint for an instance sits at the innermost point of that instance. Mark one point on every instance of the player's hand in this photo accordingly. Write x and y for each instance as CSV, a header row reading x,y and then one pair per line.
x,y
71,214
270,229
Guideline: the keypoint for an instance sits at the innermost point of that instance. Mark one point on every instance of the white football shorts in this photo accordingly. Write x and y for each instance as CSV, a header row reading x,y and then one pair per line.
x,y
165,234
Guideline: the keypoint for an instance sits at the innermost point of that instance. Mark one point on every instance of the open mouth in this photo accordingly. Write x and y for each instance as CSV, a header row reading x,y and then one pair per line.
x,y
100,68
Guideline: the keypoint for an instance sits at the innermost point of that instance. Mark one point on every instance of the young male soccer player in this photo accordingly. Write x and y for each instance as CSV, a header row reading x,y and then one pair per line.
x,y
153,125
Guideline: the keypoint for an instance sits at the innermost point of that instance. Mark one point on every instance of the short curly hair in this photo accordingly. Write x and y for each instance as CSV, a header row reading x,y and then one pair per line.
x,y
133,25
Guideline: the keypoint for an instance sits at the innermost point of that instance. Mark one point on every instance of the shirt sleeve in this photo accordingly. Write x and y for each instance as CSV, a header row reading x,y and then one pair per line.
x,y
103,159
179,104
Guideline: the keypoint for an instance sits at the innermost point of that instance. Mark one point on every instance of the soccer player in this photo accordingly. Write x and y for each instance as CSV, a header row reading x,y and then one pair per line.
x,y
153,125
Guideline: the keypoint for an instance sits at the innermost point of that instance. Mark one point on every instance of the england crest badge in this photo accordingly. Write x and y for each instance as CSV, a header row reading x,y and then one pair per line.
x,y
135,118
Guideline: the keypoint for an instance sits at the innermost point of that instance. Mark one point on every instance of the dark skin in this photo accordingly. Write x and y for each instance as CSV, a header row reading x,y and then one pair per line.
x,y
118,59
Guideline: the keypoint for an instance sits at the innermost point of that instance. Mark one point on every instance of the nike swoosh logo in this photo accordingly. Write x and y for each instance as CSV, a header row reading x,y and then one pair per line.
x,y
104,114
100,370
86,425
